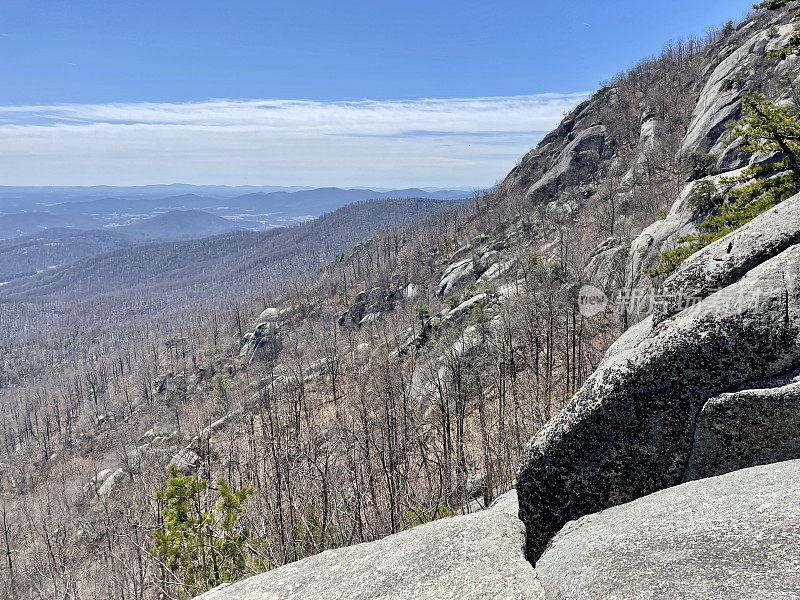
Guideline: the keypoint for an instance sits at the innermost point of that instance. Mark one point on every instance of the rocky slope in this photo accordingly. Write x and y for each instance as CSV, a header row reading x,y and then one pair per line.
x,y
654,414
698,389
466,557
733,536
685,393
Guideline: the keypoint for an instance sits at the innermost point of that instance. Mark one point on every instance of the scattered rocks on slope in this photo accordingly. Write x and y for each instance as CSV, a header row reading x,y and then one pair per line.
x,y
734,536
470,557
155,433
368,306
466,306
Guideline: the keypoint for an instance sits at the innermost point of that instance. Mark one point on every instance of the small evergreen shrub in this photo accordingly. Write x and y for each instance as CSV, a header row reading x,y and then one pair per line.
x,y
698,164
727,29
203,548
702,196
771,4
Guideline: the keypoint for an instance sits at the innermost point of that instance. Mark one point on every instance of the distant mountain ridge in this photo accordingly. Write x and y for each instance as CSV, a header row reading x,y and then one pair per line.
x,y
19,198
170,273
26,211
179,225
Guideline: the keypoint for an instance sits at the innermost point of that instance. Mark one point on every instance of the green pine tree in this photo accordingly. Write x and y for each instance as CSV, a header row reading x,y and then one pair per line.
x,y
203,548
765,127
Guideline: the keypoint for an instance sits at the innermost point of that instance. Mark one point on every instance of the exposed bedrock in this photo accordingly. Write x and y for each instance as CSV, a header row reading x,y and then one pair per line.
x,y
630,430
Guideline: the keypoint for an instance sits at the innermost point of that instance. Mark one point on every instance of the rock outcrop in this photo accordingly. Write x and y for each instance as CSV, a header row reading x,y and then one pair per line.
x,y
745,67
454,274
468,557
575,159
734,536
630,430
728,259
368,306
754,426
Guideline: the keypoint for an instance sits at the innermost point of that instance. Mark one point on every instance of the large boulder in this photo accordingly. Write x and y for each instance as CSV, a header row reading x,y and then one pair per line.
x,y
469,557
631,428
749,427
111,483
455,274
727,260
734,536
263,338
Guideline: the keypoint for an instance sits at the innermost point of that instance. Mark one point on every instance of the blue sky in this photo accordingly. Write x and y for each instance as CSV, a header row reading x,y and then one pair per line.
x,y
401,93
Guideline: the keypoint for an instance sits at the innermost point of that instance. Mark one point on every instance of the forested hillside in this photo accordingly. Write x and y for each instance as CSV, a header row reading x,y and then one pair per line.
x,y
396,384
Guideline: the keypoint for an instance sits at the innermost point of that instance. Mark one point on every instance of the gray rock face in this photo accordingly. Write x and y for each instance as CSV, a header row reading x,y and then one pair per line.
x,y
629,431
719,99
368,306
750,427
646,248
466,306
269,314
263,337
632,337
186,460
156,432
729,258
573,160
111,483
729,537
454,274
470,557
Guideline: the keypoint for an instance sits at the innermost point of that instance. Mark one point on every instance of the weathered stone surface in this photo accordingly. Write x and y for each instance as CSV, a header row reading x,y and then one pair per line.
x,y
265,335
749,427
628,432
729,537
454,274
729,258
412,290
469,557
574,159
186,460
156,431
111,483
368,306
645,250
719,100
466,306
629,340
269,314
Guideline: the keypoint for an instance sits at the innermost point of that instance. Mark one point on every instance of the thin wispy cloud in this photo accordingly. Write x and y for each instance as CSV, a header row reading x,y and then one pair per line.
x,y
459,141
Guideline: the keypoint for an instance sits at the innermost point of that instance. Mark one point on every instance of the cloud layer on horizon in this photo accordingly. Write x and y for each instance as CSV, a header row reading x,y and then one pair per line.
x,y
436,142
